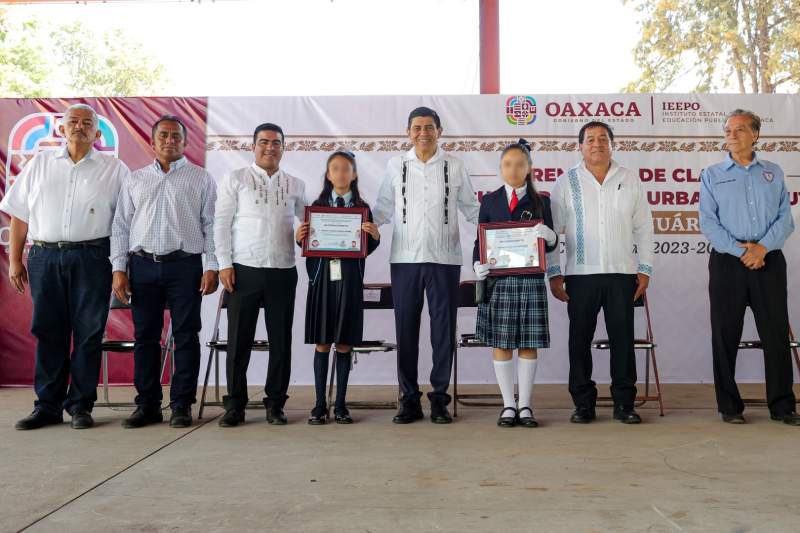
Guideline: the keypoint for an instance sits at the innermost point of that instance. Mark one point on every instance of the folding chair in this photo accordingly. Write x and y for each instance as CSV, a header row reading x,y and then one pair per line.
x,y
217,345
466,298
794,344
648,345
376,296
126,346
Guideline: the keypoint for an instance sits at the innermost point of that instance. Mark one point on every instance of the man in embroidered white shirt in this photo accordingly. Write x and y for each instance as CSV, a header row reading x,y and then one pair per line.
x,y
601,208
64,200
254,243
422,193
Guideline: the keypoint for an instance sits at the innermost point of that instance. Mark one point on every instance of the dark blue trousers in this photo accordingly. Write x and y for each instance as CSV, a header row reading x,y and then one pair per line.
x,y
410,283
70,291
153,287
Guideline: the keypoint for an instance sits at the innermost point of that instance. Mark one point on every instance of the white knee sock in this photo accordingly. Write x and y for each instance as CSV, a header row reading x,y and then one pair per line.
x,y
526,369
504,370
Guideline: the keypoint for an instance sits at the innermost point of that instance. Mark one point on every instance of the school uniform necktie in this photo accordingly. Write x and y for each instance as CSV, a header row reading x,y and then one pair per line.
x,y
339,202
514,201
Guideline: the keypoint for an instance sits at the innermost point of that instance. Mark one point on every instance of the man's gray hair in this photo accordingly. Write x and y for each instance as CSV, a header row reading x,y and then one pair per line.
x,y
755,120
83,107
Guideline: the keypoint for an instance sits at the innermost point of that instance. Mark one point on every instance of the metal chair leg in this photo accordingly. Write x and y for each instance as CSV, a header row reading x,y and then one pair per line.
x,y
105,376
330,386
211,354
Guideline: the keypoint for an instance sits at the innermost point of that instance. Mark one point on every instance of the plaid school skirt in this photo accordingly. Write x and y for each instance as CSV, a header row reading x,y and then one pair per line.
x,y
516,314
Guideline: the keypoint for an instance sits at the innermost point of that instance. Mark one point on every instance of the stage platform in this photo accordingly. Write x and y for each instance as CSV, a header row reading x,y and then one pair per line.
x,y
686,471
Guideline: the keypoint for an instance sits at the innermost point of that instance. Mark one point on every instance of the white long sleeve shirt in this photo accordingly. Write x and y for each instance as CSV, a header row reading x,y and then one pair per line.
x,y
602,223
425,209
253,218
62,201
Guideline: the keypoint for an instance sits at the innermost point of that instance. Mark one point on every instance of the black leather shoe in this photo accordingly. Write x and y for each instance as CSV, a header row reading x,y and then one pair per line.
x,y
410,411
232,418
526,419
627,416
143,417
82,420
582,416
276,417
38,419
181,417
342,415
735,418
440,414
507,421
319,416
790,419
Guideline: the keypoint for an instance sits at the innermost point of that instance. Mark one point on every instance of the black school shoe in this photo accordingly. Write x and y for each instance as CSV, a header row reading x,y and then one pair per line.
x,y
439,413
143,417
527,421
38,419
342,415
232,418
410,411
735,418
181,417
627,415
319,416
82,420
506,421
582,415
790,419
276,417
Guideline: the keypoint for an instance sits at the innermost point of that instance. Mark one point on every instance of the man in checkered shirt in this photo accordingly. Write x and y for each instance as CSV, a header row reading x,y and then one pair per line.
x,y
162,228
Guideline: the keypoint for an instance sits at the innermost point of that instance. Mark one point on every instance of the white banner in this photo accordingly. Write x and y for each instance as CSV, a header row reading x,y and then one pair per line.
x,y
667,139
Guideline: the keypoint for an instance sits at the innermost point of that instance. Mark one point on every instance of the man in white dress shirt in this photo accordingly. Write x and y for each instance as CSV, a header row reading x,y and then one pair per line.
x,y
601,208
422,193
64,200
162,227
254,239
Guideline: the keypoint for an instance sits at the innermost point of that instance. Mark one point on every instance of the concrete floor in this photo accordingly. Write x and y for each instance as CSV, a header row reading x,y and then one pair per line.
x,y
686,471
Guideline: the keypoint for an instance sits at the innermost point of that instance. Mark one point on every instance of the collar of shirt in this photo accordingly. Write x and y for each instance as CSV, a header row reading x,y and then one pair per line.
x,y
520,191
411,155
262,172
348,196
175,165
64,154
731,162
612,170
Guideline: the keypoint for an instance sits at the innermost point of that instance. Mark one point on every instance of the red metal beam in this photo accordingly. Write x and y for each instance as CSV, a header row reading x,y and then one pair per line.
x,y
490,46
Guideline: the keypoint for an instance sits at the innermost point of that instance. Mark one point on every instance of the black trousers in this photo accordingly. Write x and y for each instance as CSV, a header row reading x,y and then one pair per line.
x,y
274,288
587,295
154,286
410,283
70,291
732,287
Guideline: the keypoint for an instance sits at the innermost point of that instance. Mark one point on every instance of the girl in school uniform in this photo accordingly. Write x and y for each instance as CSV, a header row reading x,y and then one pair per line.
x,y
515,314
335,304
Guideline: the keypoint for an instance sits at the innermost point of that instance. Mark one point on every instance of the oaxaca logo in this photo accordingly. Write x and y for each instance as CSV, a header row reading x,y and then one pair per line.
x,y
521,110
39,131
592,109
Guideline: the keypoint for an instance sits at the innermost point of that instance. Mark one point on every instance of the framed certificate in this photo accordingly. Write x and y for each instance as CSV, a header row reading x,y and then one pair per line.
x,y
511,248
335,232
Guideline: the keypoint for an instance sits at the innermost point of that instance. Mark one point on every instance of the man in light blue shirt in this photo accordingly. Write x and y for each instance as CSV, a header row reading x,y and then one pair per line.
x,y
745,214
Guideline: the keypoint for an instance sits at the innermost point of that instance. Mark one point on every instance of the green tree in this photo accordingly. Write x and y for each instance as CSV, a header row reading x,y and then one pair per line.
x,y
37,60
23,67
751,45
108,65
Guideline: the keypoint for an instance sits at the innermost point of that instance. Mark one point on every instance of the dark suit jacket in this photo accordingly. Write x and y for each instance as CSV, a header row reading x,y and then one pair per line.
x,y
494,208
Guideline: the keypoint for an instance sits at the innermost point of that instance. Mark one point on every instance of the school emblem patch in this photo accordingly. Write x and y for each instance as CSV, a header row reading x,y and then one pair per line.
x,y
769,176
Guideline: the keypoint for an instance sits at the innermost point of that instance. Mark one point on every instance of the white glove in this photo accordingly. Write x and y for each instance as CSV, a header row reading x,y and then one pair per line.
x,y
543,232
481,270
